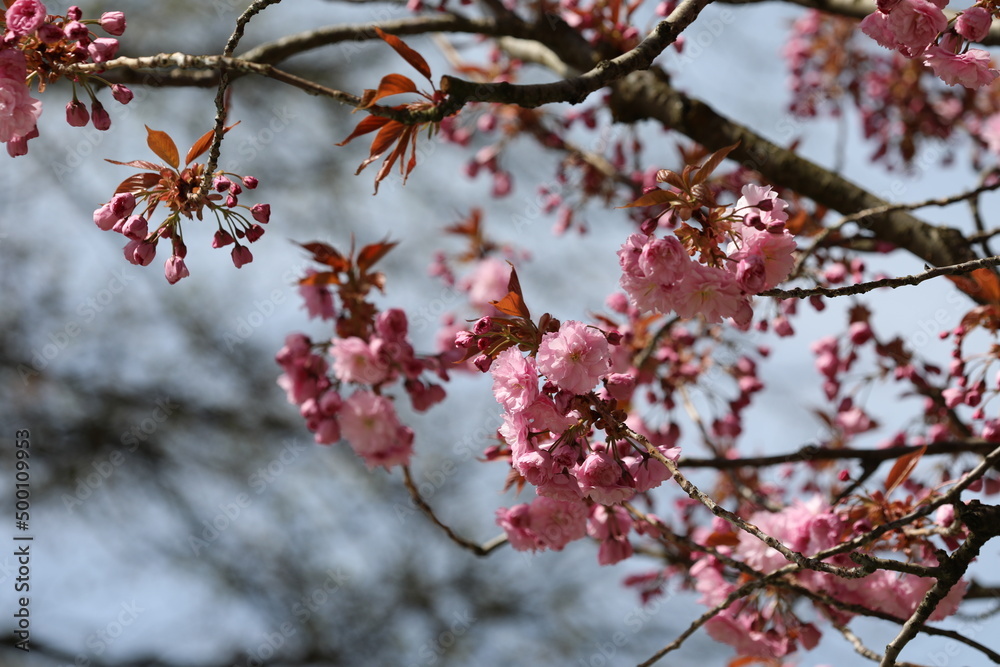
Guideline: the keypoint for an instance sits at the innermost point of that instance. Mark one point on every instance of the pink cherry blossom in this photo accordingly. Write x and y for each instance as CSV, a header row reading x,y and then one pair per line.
x,y
19,111
710,292
354,361
116,210
516,523
369,423
916,23
971,69
318,300
515,380
487,282
25,16
575,357
974,24
103,49
305,372
261,213
611,526
558,522
603,479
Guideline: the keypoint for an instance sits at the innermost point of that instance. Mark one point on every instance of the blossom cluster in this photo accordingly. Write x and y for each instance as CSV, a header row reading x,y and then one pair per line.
x,y
550,415
659,275
37,48
366,419
759,626
919,29
182,193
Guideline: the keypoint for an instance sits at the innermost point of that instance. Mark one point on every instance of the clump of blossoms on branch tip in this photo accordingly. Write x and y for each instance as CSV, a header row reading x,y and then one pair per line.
x,y
37,49
182,193
718,257
919,29
369,353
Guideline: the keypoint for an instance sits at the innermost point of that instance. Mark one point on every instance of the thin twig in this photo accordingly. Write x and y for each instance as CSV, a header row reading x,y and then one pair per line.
x,y
478,549
862,288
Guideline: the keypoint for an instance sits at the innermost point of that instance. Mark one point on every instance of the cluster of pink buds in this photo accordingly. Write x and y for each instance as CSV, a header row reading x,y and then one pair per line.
x,y
182,193
38,48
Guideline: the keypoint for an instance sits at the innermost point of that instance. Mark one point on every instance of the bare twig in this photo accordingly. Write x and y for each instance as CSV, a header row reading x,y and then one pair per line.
x,y
479,549
862,288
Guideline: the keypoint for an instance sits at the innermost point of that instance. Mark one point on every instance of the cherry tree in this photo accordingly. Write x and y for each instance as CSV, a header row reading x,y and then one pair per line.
x,y
602,434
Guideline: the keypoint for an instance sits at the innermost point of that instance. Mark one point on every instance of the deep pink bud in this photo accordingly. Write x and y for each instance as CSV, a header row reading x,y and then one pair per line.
x,y
254,233
123,94
261,213
103,49
222,238
50,34
250,182
77,114
221,183
140,252
464,339
483,362
135,228
76,31
74,13
241,256
102,121
175,269
113,22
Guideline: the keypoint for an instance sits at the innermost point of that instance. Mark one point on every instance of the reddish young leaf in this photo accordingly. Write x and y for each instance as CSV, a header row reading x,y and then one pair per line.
x,y
325,254
714,160
369,124
203,143
138,182
391,84
902,469
163,146
513,304
138,164
981,284
409,55
320,279
653,198
373,253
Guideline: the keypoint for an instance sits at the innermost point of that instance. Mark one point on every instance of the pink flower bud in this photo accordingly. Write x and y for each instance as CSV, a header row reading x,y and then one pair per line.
x,y
254,233
222,238
231,201
241,256
135,228
103,49
140,252
74,13
76,114
76,31
50,34
250,182
261,213
113,22
221,183
102,121
175,269
123,94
